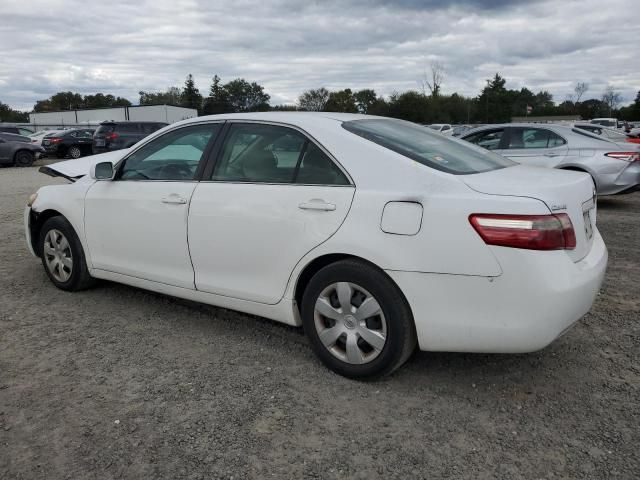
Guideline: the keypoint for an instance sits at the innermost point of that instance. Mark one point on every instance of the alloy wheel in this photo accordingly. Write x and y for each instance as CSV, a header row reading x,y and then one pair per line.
x,y
74,152
350,323
57,255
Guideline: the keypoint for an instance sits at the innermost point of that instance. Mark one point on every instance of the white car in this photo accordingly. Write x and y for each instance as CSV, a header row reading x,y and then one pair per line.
x,y
374,234
443,128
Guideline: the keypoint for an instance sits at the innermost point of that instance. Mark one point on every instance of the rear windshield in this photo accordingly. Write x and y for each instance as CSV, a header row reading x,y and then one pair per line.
x,y
102,129
427,147
128,127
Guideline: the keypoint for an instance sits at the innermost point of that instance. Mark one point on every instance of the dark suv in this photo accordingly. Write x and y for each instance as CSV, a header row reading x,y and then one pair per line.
x,y
116,135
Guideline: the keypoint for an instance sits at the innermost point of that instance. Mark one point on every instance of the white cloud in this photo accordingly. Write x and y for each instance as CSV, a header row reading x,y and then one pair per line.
x,y
288,46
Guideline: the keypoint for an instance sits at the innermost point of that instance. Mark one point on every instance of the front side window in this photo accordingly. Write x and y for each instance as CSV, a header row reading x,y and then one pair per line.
x,y
259,153
489,139
533,138
175,155
427,147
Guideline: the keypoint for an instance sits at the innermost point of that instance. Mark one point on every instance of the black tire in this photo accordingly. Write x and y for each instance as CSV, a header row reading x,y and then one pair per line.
x,y
400,329
79,278
23,158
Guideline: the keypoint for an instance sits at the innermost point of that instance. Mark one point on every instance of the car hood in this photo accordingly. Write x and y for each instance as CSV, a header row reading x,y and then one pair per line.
x,y
79,167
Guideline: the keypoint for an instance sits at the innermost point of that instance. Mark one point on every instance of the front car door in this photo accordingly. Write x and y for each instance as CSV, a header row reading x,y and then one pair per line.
x,y
136,225
534,146
271,197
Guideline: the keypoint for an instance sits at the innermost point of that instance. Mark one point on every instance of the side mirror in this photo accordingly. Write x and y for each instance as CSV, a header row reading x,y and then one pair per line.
x,y
102,171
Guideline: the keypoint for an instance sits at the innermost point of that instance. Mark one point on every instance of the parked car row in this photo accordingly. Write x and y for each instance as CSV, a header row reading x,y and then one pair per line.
x,y
72,143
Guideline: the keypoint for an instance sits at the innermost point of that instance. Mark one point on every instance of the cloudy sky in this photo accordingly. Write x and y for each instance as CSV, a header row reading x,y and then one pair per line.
x,y
122,47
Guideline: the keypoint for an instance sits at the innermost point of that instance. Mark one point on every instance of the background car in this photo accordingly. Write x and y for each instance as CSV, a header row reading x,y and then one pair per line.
x,y
18,150
39,136
614,167
374,234
608,133
605,122
112,135
443,128
16,130
73,143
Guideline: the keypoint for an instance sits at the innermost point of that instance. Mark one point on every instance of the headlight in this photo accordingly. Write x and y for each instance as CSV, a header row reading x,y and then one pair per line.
x,y
32,198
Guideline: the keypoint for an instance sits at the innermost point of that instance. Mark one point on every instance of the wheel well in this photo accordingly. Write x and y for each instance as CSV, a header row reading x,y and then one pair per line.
x,y
22,150
35,225
319,263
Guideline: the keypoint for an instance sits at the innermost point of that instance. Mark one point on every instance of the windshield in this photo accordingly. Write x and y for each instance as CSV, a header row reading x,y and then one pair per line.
x,y
428,148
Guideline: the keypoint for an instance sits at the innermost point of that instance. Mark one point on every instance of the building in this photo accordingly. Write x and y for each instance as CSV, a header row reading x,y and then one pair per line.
x,y
93,117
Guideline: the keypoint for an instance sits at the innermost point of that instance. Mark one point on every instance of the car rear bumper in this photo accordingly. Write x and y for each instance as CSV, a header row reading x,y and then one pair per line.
x,y
525,309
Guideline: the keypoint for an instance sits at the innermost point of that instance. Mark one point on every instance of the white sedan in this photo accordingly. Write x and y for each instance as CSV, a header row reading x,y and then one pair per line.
x,y
374,234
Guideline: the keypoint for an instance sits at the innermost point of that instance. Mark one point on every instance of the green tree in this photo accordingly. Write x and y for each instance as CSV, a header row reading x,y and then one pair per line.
x,y
314,100
365,99
218,99
341,101
243,96
496,101
190,97
169,97
8,114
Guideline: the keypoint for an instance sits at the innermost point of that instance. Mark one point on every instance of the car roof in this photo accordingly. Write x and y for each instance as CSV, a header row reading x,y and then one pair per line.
x,y
119,122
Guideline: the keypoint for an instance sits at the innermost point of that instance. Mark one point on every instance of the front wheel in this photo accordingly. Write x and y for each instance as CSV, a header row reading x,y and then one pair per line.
x,y
62,255
357,320
24,158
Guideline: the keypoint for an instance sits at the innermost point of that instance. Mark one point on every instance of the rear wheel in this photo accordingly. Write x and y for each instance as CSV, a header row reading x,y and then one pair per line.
x,y
357,320
74,151
23,158
62,255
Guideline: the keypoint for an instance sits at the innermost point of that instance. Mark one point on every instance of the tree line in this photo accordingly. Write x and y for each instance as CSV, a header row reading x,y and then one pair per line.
x,y
494,104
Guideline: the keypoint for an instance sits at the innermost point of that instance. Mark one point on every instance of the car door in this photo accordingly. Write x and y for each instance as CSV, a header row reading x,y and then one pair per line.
x,y
136,224
272,195
533,146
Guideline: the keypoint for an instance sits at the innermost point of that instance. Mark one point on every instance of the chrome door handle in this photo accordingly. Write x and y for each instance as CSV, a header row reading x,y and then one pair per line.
x,y
174,199
317,204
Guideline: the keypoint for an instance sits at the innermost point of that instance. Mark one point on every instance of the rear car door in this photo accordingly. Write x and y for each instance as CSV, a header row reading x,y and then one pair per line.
x,y
536,146
6,152
136,225
272,195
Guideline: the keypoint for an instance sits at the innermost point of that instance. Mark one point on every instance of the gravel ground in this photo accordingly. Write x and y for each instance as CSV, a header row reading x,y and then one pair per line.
x,y
117,382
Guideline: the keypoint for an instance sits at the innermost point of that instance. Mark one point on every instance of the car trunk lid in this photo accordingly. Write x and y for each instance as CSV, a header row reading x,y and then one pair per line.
x,y
561,191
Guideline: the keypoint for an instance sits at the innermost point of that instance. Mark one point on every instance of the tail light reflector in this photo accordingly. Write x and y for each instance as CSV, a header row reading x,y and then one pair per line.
x,y
533,232
111,136
55,140
626,156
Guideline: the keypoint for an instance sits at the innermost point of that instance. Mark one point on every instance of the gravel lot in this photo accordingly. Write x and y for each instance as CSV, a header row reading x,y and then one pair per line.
x,y
117,382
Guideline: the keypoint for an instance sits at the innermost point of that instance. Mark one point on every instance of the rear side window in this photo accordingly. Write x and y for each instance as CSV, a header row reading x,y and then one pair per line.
x,y
259,153
104,129
533,138
427,147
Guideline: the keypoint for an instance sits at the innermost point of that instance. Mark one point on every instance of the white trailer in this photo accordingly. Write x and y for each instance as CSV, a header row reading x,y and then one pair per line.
x,y
93,117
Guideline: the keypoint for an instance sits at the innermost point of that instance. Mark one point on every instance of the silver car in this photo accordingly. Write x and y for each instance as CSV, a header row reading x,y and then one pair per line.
x,y
614,166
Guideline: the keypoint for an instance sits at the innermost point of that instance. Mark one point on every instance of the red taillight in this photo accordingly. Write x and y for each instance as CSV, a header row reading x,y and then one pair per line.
x,y
626,156
533,232
55,140
111,136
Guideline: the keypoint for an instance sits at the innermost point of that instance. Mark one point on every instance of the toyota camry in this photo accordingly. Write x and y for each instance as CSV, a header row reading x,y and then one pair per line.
x,y
375,235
